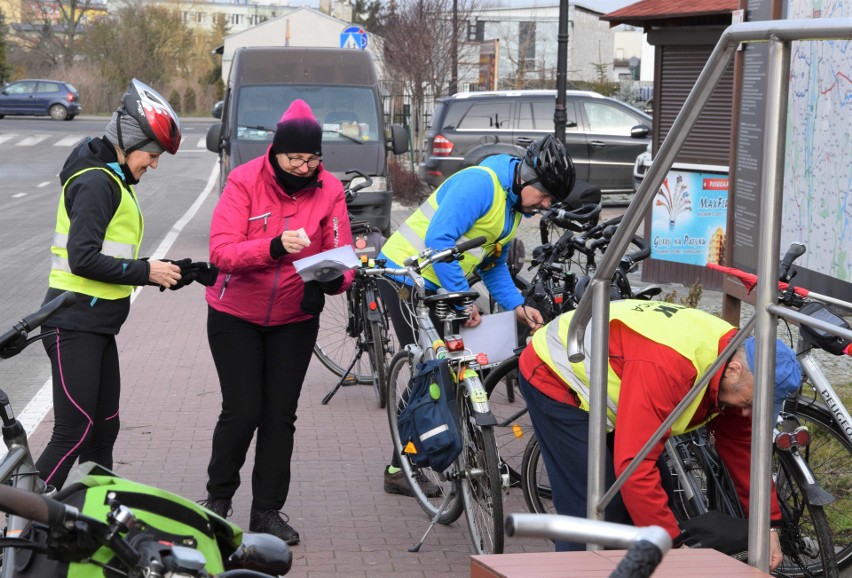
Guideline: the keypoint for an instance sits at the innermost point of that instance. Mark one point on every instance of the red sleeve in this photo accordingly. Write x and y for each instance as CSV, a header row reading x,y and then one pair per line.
x,y
732,432
654,379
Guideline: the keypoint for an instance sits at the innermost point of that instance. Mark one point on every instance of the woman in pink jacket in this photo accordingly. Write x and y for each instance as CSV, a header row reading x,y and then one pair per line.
x,y
262,318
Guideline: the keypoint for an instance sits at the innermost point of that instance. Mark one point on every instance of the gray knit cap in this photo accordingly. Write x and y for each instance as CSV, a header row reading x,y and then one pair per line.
x,y
131,134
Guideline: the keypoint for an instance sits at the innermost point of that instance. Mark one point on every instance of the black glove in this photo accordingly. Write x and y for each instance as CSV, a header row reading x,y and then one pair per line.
x,y
331,287
314,299
202,271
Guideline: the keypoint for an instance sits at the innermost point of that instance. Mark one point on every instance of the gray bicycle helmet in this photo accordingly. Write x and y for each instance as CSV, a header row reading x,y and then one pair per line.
x,y
154,115
547,167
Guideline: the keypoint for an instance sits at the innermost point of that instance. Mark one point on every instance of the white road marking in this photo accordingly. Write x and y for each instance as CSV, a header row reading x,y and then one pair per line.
x,y
33,140
19,195
68,141
5,137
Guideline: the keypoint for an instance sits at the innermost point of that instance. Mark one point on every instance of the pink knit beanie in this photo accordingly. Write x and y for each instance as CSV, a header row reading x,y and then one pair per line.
x,y
298,131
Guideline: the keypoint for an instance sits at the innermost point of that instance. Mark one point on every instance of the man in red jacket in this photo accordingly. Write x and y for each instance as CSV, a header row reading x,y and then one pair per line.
x,y
657,352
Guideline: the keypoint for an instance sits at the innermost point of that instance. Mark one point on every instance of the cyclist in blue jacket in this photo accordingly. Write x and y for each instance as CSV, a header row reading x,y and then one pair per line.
x,y
485,200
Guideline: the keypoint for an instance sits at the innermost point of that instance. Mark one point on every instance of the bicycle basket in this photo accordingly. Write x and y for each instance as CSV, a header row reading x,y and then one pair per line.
x,y
366,239
164,515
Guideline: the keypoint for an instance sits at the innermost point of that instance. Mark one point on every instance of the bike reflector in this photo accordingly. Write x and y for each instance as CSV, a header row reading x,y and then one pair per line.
x,y
798,438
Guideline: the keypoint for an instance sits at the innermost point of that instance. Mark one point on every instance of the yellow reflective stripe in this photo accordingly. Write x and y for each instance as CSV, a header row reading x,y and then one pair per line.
x,y
108,248
559,357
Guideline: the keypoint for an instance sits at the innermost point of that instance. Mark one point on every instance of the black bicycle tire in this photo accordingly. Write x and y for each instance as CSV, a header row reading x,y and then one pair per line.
x,y
511,436
396,399
376,335
334,346
790,534
534,488
829,455
483,503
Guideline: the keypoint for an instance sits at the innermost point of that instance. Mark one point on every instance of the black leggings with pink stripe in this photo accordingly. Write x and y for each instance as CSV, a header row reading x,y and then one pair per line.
x,y
86,392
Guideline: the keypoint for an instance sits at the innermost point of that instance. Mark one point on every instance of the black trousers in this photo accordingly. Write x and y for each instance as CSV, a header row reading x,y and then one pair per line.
x,y
86,393
261,371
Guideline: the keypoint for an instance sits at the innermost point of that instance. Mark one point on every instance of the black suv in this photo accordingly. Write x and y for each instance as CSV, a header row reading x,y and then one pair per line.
x,y
603,135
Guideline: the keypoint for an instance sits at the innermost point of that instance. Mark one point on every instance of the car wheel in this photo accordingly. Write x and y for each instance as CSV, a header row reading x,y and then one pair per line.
x,y
58,112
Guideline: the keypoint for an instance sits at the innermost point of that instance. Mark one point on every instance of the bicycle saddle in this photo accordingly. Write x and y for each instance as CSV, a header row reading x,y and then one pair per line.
x,y
453,297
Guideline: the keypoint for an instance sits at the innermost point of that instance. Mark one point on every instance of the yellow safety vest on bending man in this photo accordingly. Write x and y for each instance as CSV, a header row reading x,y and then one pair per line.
x,y
692,333
121,240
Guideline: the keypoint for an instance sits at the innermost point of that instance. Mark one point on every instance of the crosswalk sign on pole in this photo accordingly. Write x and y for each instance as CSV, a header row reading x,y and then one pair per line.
x,y
353,37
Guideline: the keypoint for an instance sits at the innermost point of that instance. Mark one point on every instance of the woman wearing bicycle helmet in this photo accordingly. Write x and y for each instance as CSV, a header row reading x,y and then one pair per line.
x,y
485,200
96,254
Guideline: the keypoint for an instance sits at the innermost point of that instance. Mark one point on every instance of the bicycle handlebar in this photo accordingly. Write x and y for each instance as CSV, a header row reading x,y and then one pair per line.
x,y
646,545
352,192
10,339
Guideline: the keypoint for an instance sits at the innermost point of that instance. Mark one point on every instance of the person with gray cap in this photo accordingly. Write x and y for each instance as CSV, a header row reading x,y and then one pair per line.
x,y
95,253
657,352
489,200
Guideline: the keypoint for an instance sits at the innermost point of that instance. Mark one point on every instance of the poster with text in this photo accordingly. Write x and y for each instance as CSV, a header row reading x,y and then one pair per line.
x,y
689,217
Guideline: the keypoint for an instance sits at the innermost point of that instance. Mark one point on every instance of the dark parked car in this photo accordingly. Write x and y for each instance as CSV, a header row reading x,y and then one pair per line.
x,y
53,98
602,135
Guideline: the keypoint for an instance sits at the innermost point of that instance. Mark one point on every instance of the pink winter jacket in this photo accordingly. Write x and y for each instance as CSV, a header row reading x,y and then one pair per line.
x,y
252,210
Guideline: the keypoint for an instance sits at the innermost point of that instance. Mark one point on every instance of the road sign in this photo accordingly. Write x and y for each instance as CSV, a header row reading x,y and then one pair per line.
x,y
353,37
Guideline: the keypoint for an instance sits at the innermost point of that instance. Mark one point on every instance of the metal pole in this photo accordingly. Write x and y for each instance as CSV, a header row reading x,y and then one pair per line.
x,y
454,50
772,178
598,402
560,117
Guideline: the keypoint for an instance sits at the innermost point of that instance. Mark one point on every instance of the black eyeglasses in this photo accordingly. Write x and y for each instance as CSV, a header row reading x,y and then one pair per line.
x,y
297,162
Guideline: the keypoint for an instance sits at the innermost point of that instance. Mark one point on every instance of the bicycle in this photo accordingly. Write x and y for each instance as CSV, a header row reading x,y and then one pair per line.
x,y
473,483
63,532
356,322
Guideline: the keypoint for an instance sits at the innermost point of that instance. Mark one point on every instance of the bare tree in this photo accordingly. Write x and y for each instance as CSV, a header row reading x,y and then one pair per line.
x,y
5,70
138,40
417,38
49,30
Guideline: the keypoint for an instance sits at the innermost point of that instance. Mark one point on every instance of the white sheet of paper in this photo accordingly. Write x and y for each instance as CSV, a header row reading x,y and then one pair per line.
x,y
327,265
496,336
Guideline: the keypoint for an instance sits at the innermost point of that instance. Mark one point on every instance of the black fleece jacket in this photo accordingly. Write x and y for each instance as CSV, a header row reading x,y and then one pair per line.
x,y
91,201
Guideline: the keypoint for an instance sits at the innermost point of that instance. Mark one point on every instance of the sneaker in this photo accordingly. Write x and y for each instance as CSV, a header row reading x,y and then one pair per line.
x,y
219,506
398,484
275,523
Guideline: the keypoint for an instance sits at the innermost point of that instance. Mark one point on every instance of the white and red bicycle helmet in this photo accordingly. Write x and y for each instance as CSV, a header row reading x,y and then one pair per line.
x,y
154,114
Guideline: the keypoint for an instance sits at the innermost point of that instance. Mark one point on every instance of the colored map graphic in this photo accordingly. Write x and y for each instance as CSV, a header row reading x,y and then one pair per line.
x,y
818,173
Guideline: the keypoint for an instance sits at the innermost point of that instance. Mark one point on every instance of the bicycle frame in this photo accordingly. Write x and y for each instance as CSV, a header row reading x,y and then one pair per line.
x,y
820,383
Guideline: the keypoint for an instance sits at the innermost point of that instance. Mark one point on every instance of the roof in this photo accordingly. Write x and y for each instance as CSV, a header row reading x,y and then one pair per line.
x,y
653,12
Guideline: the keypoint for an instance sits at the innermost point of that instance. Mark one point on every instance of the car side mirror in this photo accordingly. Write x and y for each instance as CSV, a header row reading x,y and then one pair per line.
x,y
214,134
399,139
217,109
640,131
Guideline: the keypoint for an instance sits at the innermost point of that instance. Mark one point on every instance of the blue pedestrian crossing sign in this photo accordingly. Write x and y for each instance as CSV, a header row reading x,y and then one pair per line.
x,y
353,37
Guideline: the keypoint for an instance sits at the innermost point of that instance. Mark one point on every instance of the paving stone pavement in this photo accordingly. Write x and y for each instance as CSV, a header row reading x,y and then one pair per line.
x,y
349,526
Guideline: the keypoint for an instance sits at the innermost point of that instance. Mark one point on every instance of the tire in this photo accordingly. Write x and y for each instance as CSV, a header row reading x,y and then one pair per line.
x,y
535,483
335,347
806,540
829,456
514,425
58,112
481,486
399,377
377,338
379,343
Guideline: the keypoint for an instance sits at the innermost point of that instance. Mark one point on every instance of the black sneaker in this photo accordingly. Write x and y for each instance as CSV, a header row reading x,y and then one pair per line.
x,y
398,484
219,506
275,523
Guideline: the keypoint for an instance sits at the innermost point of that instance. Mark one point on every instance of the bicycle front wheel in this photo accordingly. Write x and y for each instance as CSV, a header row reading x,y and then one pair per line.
x,y
399,379
534,480
480,482
514,426
337,343
806,540
379,346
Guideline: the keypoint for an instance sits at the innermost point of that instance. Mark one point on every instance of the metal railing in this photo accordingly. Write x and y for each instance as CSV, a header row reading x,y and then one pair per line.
x,y
594,305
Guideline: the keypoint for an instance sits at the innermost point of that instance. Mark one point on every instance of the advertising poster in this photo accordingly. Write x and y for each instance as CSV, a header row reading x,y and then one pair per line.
x,y
689,217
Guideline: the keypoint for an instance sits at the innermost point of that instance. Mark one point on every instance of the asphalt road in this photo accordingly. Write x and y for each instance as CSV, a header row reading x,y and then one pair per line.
x,y
33,151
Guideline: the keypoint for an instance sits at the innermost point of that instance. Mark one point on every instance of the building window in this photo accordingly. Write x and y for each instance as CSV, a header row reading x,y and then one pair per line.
x,y
237,19
526,44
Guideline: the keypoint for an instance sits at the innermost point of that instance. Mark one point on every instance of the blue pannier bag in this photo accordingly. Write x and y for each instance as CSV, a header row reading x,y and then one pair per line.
x,y
430,420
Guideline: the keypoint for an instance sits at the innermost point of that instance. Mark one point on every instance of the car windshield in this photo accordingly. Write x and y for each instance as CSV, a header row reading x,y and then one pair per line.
x,y
346,113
